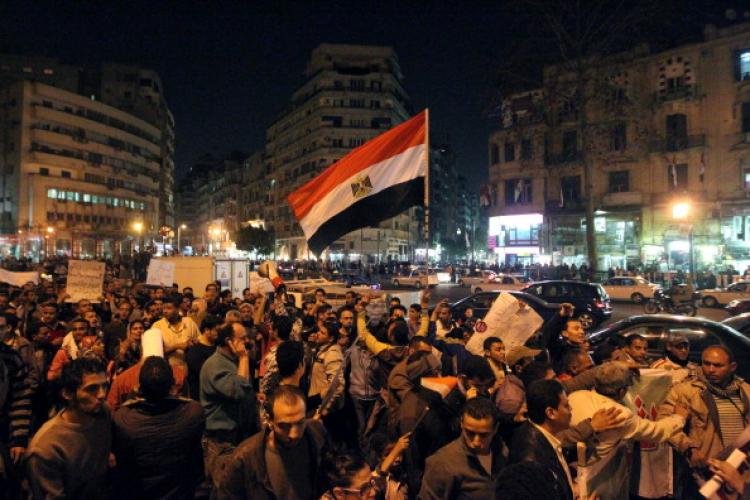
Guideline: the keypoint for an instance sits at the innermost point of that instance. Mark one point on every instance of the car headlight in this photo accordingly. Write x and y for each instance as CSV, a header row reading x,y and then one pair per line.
x,y
733,303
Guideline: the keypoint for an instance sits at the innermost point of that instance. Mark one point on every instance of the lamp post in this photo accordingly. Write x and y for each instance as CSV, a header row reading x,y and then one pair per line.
x,y
50,232
681,211
179,229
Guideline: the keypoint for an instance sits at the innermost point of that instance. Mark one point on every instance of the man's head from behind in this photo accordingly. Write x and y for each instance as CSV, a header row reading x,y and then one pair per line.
x,y
613,380
282,327
547,403
479,422
156,378
477,373
290,359
286,408
84,385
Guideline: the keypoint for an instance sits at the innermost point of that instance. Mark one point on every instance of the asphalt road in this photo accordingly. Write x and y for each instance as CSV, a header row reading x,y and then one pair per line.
x,y
620,310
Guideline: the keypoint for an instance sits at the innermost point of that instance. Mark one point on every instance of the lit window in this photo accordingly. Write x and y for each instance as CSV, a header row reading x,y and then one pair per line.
x,y
48,71
52,193
746,178
745,65
86,198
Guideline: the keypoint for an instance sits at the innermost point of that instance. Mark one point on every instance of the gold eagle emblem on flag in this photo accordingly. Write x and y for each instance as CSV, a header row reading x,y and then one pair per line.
x,y
361,186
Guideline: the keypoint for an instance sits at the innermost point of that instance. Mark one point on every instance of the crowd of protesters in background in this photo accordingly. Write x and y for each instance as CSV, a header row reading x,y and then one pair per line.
x,y
170,392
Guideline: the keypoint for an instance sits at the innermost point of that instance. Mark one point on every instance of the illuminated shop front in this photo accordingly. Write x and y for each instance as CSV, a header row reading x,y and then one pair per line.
x,y
515,239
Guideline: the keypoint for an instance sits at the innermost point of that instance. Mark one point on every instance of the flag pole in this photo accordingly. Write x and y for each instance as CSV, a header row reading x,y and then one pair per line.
x,y
427,187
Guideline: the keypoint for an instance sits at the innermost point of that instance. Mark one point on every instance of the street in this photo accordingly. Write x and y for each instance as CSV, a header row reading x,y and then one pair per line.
x,y
620,309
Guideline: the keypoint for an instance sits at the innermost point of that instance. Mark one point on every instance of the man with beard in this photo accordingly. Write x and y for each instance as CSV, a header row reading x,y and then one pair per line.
x,y
68,456
178,333
281,461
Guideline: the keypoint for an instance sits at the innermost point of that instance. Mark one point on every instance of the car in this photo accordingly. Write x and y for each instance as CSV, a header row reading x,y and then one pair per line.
x,y
476,277
357,281
741,323
481,302
633,288
502,282
658,328
592,304
716,296
738,306
418,278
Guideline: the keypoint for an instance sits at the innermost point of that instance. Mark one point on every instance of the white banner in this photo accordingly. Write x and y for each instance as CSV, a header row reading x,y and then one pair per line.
x,y
160,273
85,280
510,322
18,278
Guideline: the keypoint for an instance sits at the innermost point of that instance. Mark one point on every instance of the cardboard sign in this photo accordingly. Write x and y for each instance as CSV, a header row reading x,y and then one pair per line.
x,y
511,323
85,280
160,273
18,278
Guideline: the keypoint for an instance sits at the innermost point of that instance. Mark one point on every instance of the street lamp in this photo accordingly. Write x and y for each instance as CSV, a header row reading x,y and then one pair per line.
x,y
50,232
179,229
681,211
138,228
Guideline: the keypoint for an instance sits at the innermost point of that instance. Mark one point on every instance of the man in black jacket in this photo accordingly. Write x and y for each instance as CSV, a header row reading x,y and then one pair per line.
x,y
548,414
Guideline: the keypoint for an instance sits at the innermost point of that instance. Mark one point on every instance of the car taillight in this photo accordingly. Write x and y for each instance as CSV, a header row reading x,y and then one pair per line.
x,y
600,304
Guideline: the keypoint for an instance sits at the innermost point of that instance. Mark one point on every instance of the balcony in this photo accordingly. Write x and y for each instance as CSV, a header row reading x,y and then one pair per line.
x,y
560,159
688,92
670,144
569,206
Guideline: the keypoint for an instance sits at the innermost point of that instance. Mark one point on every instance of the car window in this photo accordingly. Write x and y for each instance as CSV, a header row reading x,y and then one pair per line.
x,y
612,282
536,290
507,281
627,282
551,290
482,301
737,287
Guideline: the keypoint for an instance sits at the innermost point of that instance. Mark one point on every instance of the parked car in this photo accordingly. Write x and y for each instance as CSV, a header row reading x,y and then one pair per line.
x,y
735,291
592,305
357,280
741,323
502,282
481,302
738,306
633,288
658,328
418,278
476,277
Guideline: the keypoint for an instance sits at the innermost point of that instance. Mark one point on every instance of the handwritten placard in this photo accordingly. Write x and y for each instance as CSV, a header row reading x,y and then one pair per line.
x,y
160,273
85,280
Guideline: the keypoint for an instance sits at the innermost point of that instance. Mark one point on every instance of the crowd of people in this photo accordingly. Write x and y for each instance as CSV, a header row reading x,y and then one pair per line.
x,y
169,392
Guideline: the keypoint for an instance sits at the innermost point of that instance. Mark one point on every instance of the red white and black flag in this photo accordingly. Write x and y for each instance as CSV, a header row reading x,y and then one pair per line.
x,y
374,182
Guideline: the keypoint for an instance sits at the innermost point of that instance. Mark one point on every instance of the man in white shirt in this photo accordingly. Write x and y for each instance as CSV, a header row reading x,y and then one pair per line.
x,y
609,474
177,332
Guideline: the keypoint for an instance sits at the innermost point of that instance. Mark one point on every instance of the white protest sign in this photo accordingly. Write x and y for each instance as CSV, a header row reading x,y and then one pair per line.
x,y
510,322
239,277
160,273
85,280
18,278
259,285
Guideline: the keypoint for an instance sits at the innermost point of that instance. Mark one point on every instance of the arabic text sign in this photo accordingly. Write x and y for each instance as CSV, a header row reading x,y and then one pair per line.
x,y
160,273
85,280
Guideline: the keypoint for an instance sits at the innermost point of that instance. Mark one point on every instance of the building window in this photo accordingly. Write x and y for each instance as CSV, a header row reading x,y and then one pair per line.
x,y
570,145
43,171
48,71
526,151
357,84
495,154
571,188
677,176
518,192
356,103
65,174
743,65
676,132
510,151
619,182
746,178
745,117
618,137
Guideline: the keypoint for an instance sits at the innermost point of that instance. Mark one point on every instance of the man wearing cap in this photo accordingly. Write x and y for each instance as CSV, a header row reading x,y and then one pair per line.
x,y
676,351
609,477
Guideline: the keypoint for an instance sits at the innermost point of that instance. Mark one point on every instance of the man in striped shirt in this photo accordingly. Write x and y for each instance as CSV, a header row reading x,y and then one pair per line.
x,y
719,404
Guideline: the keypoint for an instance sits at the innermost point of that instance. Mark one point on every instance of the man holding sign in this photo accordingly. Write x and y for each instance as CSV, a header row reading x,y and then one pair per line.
x,y
85,280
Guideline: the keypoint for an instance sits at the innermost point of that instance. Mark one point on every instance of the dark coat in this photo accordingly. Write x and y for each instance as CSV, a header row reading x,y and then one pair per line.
x,y
530,445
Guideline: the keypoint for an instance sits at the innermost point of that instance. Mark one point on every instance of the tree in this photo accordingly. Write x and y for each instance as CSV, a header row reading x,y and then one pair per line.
x,y
567,54
254,239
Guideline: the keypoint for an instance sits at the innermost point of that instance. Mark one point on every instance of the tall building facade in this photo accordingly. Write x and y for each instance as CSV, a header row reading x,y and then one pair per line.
x,y
108,126
352,94
667,136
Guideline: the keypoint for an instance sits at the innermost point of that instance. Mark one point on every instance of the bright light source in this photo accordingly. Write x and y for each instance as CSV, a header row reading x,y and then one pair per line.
x,y
138,227
680,210
50,229
183,226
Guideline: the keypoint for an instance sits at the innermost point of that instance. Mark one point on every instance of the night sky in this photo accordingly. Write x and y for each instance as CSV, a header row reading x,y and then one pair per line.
x,y
229,68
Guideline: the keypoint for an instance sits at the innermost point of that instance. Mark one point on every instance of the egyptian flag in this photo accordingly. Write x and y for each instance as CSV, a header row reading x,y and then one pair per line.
x,y
374,182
